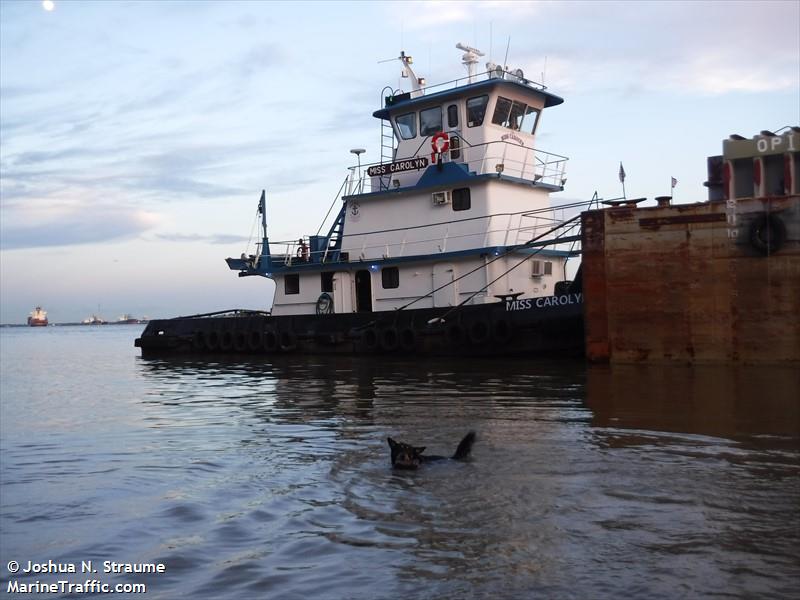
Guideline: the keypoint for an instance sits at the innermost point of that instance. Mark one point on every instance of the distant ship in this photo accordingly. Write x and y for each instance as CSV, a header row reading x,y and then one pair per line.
x,y
127,319
93,320
38,318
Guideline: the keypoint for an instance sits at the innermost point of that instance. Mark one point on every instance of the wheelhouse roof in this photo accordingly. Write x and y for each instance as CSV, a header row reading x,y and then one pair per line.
x,y
405,102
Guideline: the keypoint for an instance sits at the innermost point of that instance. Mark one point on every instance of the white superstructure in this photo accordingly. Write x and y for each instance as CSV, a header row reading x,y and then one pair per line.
x,y
446,218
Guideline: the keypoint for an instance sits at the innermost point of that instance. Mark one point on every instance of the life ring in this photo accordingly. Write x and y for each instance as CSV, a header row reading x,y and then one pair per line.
x,y
390,339
479,332
767,234
324,304
445,145
271,341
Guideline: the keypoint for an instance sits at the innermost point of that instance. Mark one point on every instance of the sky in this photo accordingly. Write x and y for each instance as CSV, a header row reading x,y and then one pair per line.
x,y
136,137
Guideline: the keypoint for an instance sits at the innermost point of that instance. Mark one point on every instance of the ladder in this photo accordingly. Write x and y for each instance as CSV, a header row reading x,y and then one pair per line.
x,y
387,138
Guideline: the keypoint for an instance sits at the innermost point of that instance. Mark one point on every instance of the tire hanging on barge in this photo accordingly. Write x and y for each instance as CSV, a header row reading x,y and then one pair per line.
x,y
767,234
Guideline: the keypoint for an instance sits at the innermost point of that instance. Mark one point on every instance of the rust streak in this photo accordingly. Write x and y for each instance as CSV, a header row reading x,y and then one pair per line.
x,y
656,222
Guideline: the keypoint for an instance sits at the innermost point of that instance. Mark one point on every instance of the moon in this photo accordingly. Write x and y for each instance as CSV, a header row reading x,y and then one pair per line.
x,y
48,5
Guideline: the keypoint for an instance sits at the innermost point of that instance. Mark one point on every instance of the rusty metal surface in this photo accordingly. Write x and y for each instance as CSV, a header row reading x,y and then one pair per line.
x,y
691,288
654,223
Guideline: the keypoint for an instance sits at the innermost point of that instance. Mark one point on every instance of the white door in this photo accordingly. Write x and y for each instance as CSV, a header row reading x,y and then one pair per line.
x,y
444,275
342,293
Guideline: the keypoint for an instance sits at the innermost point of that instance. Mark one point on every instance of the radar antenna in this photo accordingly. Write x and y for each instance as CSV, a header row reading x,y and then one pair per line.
x,y
470,58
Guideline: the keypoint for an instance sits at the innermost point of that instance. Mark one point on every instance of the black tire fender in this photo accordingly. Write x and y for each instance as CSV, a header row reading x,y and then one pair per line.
x,y
767,233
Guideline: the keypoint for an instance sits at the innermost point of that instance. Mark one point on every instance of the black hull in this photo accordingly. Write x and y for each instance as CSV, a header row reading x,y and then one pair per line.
x,y
546,326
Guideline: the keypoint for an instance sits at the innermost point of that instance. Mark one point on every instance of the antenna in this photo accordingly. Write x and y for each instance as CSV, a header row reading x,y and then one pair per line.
x,y
544,70
505,60
470,58
490,40
417,83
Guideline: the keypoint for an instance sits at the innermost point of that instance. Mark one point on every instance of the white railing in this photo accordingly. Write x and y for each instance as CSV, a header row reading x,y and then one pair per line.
x,y
482,76
499,157
498,230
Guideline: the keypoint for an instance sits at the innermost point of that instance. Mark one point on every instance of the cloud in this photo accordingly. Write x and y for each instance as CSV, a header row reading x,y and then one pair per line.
x,y
255,60
218,238
692,48
66,224
439,14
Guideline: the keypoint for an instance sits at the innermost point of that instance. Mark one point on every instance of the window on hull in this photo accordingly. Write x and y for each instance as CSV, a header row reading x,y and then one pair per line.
x,y
326,282
390,278
461,199
291,284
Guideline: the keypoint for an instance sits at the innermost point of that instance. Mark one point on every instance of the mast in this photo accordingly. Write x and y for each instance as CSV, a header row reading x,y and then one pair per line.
x,y
265,261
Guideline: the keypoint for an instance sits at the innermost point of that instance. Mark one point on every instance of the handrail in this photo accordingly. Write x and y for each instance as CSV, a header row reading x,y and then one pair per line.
x,y
543,218
546,167
527,212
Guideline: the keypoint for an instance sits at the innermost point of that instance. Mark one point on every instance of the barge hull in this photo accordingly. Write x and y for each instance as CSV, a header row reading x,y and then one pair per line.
x,y
692,283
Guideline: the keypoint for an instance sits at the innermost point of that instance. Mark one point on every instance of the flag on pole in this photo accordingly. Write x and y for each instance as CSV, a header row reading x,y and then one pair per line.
x,y
674,183
621,173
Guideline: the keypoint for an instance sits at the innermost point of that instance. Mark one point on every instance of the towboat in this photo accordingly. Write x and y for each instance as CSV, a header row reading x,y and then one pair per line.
x,y
448,245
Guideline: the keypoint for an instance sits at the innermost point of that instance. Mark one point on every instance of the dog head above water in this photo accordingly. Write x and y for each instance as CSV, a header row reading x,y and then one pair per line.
x,y
405,456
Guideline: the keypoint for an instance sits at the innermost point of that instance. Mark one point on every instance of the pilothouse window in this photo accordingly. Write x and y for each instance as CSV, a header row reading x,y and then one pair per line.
x,y
476,110
407,125
515,115
501,111
452,116
530,120
430,120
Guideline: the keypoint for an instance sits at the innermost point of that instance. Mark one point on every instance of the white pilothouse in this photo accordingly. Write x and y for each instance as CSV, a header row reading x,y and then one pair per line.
x,y
450,214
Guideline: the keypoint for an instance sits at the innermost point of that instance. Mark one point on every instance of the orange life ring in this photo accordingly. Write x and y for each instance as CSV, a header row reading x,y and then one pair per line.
x,y
445,146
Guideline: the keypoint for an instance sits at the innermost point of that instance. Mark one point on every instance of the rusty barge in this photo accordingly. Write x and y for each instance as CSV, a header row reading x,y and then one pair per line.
x,y
715,281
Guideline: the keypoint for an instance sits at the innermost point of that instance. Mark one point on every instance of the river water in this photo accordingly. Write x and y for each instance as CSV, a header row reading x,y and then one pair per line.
x,y
256,479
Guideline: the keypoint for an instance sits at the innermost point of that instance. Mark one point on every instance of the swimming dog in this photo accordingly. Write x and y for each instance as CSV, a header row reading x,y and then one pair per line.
x,y
406,456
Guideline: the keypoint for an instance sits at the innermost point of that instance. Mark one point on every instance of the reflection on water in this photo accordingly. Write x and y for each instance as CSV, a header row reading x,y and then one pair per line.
x,y
722,401
252,479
